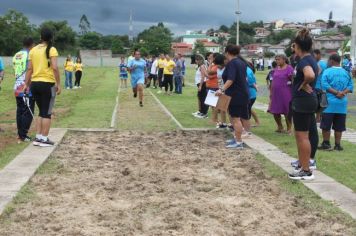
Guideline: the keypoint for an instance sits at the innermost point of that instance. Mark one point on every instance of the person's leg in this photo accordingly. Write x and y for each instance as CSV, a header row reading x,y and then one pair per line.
x,y
288,123
278,119
27,118
313,137
204,107
45,126
66,82
175,84
214,115
338,136
170,81
236,123
20,109
140,92
326,123
155,81
79,77
165,83
180,84
304,148
339,127
223,117
71,80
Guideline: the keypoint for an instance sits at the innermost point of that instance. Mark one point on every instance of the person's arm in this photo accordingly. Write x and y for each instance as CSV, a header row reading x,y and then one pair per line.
x,y
203,76
309,76
54,66
350,87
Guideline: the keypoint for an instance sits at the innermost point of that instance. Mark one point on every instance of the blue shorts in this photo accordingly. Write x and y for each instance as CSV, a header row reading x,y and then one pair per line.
x,y
135,81
123,76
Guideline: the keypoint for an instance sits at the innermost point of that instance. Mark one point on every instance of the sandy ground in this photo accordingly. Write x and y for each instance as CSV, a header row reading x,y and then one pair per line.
x,y
173,183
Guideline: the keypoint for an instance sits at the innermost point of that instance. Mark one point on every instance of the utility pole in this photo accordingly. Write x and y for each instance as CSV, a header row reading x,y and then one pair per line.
x,y
353,34
130,27
238,13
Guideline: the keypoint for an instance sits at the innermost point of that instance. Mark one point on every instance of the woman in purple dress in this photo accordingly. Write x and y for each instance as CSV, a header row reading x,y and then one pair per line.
x,y
281,93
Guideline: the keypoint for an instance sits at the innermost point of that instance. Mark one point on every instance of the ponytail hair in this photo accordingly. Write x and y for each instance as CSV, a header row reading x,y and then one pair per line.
x,y
47,36
304,40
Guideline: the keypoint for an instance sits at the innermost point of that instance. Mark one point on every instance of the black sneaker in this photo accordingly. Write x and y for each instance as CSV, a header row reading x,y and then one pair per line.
x,y
47,143
302,175
325,146
338,148
141,104
222,126
36,142
135,95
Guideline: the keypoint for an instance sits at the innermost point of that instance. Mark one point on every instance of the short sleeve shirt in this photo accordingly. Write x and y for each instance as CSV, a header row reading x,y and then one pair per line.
x,y
235,71
138,68
299,78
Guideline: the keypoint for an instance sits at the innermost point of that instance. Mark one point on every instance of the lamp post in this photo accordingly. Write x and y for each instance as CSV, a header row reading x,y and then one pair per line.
x,y
238,13
353,34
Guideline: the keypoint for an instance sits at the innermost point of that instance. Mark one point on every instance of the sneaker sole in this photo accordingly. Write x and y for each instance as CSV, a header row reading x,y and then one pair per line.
x,y
45,145
36,144
302,178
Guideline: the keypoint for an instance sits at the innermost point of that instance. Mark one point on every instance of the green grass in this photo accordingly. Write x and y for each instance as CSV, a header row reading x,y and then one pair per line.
x,y
89,107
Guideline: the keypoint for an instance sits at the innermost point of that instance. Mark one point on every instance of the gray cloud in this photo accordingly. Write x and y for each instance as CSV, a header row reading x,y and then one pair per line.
x,y
111,16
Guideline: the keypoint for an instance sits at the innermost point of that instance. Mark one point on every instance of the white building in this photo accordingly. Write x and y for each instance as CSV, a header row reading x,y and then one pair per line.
x,y
277,49
192,38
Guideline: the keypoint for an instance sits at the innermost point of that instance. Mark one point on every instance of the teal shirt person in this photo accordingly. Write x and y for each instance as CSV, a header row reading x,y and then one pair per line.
x,y
138,68
2,67
340,80
251,80
323,66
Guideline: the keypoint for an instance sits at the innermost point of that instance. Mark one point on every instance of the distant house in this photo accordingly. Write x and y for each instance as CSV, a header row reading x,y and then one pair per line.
x,y
192,38
318,24
278,24
211,46
183,48
261,33
329,42
285,42
277,49
292,26
253,49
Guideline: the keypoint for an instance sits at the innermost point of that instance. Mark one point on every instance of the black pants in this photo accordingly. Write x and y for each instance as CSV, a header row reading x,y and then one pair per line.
x,y
23,116
78,76
160,77
202,96
44,94
168,80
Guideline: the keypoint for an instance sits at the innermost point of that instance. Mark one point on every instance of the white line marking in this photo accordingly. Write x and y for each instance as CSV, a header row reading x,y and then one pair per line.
x,y
114,114
167,111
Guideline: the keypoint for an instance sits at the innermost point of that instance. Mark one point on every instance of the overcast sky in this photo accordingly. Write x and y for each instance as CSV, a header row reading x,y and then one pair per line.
x,y
112,16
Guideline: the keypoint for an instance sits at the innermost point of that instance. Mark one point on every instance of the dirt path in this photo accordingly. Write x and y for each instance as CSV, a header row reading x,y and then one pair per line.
x,y
173,183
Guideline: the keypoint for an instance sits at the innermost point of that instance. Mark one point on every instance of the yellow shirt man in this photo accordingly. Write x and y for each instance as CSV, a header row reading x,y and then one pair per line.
x,y
168,69
162,63
41,71
69,66
78,66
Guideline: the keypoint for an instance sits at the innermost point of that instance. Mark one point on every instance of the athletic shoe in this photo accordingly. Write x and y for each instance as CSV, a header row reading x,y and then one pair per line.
x,y
235,145
47,143
296,165
75,87
223,126
80,87
325,146
67,88
230,141
302,175
159,91
141,104
196,113
338,148
36,142
135,95
201,116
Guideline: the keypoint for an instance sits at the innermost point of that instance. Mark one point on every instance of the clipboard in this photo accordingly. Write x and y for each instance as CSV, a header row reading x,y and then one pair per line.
x,y
223,103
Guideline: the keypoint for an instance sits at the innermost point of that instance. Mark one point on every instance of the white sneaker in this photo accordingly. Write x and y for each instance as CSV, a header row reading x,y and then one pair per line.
x,y
195,113
67,88
159,92
75,87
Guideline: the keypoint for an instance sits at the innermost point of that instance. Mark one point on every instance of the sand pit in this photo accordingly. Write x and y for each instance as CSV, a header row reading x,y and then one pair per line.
x,y
174,183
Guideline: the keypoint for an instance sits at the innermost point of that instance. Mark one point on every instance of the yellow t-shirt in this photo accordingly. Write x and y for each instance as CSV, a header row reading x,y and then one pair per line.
x,y
168,69
162,63
69,66
41,71
78,66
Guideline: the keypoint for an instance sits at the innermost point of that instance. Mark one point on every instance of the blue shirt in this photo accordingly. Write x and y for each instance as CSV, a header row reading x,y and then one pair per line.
x,y
323,65
251,79
347,65
2,67
235,71
338,79
123,68
138,68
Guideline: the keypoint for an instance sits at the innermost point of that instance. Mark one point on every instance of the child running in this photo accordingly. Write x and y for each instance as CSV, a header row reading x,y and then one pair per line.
x,y
137,69
123,73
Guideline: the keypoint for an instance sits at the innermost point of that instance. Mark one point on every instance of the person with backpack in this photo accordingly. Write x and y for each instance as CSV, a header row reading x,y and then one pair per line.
x,y
43,76
24,100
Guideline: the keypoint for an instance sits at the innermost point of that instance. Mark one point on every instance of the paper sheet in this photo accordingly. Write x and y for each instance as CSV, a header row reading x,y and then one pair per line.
x,y
211,99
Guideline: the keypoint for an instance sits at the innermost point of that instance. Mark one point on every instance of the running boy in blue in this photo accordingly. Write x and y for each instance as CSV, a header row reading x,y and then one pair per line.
x,y
123,72
337,82
137,69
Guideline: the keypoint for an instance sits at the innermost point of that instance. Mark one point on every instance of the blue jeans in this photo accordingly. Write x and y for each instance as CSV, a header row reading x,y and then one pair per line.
x,y
178,82
68,82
